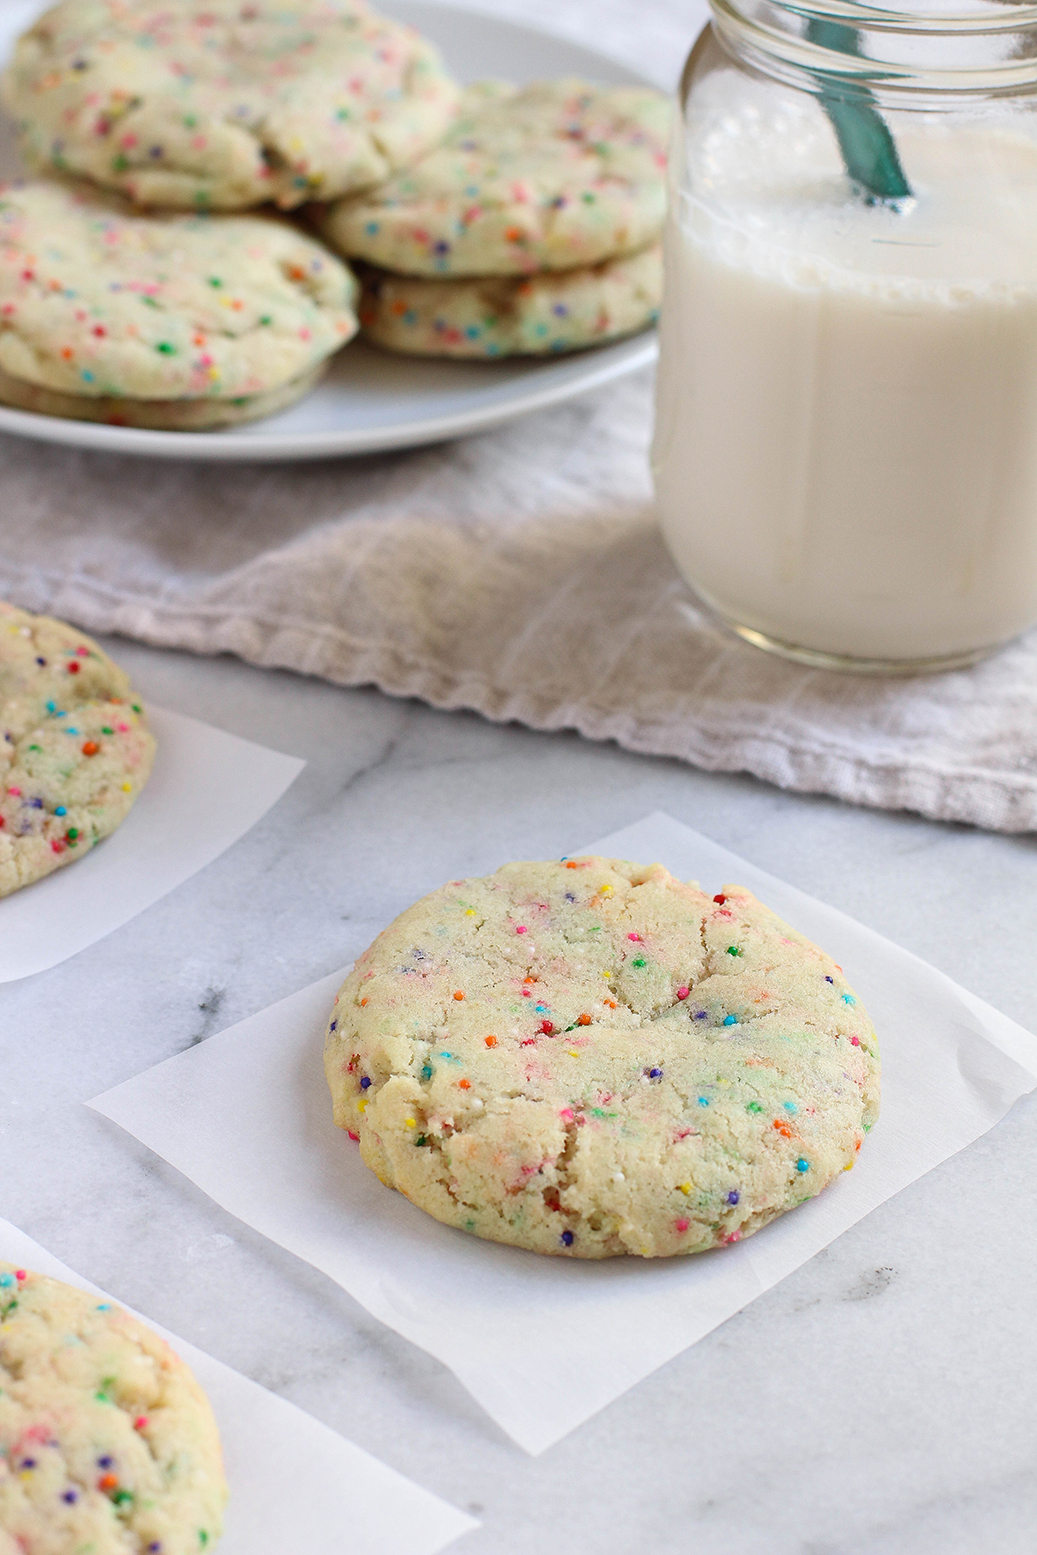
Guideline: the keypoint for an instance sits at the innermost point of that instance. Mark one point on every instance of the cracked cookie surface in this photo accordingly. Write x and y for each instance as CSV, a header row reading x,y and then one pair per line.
x,y
100,303
75,749
107,1441
541,177
226,104
592,1058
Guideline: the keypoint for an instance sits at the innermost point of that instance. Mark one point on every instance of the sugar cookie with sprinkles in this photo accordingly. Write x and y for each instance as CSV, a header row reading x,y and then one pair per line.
x,y
108,1445
75,748
543,177
538,315
226,104
590,1058
155,415
106,313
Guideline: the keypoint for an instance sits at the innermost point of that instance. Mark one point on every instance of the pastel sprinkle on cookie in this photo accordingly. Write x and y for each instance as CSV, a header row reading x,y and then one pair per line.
x,y
540,315
614,1081
107,1443
98,302
549,176
227,105
75,749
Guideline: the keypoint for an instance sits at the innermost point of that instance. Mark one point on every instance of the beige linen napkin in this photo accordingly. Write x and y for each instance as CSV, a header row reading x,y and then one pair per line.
x,y
520,573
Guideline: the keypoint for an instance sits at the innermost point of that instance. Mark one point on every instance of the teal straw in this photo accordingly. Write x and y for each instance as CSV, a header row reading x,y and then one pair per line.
x,y
868,149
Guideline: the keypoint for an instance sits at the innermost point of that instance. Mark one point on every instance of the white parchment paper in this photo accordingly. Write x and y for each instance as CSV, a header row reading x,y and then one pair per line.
x,y
543,1343
296,1485
206,790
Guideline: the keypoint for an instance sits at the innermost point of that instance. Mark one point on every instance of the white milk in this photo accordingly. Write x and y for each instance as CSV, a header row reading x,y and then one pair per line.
x,y
846,442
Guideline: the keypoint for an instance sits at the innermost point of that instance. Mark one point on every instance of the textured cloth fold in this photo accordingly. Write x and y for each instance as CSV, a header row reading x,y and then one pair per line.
x,y
520,574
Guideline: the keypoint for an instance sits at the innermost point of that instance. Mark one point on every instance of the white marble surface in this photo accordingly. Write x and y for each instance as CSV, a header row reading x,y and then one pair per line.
x,y
878,1402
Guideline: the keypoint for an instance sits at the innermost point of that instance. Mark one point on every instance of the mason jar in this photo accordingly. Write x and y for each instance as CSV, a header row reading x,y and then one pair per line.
x,y
845,455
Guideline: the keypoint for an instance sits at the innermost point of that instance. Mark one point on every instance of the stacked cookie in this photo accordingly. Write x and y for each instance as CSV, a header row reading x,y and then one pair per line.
x,y
226,104
200,319
139,286
533,228
175,321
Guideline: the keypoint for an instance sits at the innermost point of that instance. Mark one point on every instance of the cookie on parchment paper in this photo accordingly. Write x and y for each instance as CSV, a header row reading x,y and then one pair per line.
x,y
592,1058
107,1443
75,749
228,103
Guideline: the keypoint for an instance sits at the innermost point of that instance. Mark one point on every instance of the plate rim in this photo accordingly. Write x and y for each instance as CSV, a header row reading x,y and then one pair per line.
x,y
231,447
617,359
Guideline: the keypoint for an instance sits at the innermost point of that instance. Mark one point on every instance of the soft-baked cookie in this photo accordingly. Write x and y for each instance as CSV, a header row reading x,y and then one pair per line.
x,y
75,750
100,303
563,310
592,1058
223,104
542,177
108,1445
157,415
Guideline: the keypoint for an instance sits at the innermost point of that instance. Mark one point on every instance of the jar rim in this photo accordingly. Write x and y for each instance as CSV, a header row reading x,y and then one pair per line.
x,y
780,38
992,19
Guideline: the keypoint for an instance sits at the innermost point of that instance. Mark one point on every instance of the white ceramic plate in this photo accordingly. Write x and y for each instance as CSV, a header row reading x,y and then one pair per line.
x,y
372,399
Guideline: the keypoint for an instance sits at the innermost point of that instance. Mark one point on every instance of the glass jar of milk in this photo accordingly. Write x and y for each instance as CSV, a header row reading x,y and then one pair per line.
x,y
845,454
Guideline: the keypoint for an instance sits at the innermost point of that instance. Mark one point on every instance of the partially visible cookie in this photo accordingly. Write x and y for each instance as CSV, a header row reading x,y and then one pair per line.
x,y
543,177
101,303
543,314
108,1445
75,749
592,1058
159,415
226,104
